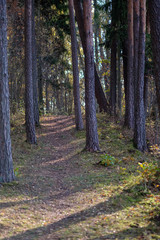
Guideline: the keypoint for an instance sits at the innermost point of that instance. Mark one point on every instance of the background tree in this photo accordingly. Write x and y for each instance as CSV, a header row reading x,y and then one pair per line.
x,y
113,76
100,96
77,105
29,107
154,9
129,118
34,69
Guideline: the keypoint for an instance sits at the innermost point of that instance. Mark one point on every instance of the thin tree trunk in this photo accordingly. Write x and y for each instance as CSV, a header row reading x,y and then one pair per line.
x,y
76,91
40,84
29,107
92,143
146,81
104,66
40,76
113,78
125,63
154,10
47,98
129,118
96,27
113,75
34,70
6,163
119,79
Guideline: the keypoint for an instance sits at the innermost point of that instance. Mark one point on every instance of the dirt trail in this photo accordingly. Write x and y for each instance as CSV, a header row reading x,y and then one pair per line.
x,y
52,190
62,195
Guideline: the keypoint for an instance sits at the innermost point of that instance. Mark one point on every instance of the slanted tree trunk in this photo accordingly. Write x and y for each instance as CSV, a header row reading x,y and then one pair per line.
x,y
92,143
154,9
139,130
129,118
34,70
76,93
29,107
6,163
99,93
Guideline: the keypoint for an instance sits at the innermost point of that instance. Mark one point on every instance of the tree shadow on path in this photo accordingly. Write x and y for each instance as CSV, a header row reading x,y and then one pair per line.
x,y
106,207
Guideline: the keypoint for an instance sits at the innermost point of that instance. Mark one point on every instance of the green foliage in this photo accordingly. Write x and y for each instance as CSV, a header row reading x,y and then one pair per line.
x,y
149,171
16,171
108,160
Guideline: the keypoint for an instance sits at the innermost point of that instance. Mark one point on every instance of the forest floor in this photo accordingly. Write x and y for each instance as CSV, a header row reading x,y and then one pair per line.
x,y
61,192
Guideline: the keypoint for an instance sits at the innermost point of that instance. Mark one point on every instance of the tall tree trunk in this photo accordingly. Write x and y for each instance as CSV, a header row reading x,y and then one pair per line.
x,y
29,107
129,118
76,93
6,163
119,79
99,93
154,8
125,62
113,78
92,143
96,27
136,8
34,70
139,131
40,76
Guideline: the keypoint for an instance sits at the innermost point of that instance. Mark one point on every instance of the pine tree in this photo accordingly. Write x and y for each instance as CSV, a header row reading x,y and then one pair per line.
x,y
29,106
6,163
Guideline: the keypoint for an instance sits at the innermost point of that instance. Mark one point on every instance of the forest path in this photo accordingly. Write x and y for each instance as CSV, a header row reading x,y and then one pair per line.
x,y
61,194
55,193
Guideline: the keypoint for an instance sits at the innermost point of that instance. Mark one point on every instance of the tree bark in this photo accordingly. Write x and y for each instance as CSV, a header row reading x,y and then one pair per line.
x,y
6,163
139,131
119,84
99,93
34,70
47,98
92,143
129,118
125,63
154,10
113,78
76,91
96,27
29,107
40,76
